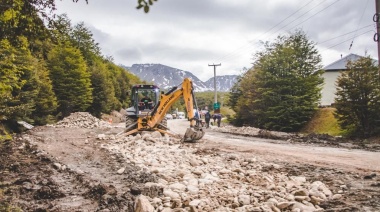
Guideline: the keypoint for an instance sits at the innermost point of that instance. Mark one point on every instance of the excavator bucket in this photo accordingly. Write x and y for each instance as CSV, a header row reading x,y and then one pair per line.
x,y
192,134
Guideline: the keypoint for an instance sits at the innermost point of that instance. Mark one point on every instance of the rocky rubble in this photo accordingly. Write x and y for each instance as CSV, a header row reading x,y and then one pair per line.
x,y
81,120
194,180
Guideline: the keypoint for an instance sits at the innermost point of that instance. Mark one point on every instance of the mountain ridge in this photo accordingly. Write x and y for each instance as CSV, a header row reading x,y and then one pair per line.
x,y
166,77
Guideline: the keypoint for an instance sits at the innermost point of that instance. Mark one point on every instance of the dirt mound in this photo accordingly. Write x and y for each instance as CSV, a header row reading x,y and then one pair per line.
x,y
81,120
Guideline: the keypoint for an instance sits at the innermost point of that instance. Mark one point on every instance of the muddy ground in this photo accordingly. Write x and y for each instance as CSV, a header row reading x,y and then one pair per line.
x,y
66,169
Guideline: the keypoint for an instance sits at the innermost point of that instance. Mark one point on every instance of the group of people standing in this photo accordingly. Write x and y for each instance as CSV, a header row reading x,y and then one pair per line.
x,y
217,117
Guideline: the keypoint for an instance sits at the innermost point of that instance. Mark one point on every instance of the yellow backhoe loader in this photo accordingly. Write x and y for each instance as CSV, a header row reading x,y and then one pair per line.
x,y
149,107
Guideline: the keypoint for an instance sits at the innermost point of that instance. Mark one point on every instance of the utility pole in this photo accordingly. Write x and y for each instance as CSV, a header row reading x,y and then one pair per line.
x,y
215,98
376,37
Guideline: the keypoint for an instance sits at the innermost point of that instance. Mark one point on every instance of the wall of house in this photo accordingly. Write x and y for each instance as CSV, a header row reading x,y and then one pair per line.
x,y
329,88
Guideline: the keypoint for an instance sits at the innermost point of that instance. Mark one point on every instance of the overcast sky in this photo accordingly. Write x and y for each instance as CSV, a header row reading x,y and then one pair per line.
x,y
191,34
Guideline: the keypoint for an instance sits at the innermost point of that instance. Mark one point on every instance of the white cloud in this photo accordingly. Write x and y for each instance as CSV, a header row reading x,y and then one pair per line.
x,y
190,34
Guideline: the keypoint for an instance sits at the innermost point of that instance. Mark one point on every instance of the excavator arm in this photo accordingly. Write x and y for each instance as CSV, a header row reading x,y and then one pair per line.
x,y
194,132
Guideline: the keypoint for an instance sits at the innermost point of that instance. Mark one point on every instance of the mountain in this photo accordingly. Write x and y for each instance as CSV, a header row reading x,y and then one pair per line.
x,y
166,77
223,83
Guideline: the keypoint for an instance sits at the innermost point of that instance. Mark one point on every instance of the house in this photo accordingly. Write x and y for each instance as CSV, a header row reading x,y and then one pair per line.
x,y
332,72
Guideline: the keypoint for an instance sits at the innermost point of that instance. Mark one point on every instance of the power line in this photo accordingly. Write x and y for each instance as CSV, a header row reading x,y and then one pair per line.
x,y
245,46
349,39
360,20
345,34
248,46
287,18
301,16
315,14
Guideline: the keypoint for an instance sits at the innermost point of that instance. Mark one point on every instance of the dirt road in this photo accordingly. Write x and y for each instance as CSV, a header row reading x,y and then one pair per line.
x,y
349,159
277,150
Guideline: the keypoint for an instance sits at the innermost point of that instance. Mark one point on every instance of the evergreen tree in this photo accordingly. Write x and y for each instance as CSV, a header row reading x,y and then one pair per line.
x,y
103,90
235,94
243,104
46,101
20,18
81,37
9,79
282,90
121,82
70,78
358,98
61,29
18,77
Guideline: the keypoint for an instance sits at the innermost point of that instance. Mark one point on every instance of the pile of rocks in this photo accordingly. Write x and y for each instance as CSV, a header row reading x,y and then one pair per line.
x,y
195,180
81,120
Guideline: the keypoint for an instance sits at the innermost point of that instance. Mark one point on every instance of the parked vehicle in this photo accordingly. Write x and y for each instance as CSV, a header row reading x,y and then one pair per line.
x,y
181,115
169,116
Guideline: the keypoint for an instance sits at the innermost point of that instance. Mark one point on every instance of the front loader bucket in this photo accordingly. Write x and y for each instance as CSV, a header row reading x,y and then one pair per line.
x,y
192,135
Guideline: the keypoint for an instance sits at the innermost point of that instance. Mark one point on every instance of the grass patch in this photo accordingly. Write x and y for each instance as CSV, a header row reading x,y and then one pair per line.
x,y
323,122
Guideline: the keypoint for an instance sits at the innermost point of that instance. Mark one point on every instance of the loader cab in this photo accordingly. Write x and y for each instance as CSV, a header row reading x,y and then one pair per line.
x,y
144,98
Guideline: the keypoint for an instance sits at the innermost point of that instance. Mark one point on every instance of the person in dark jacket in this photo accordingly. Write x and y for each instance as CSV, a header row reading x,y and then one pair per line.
x,y
147,102
197,117
218,118
207,119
